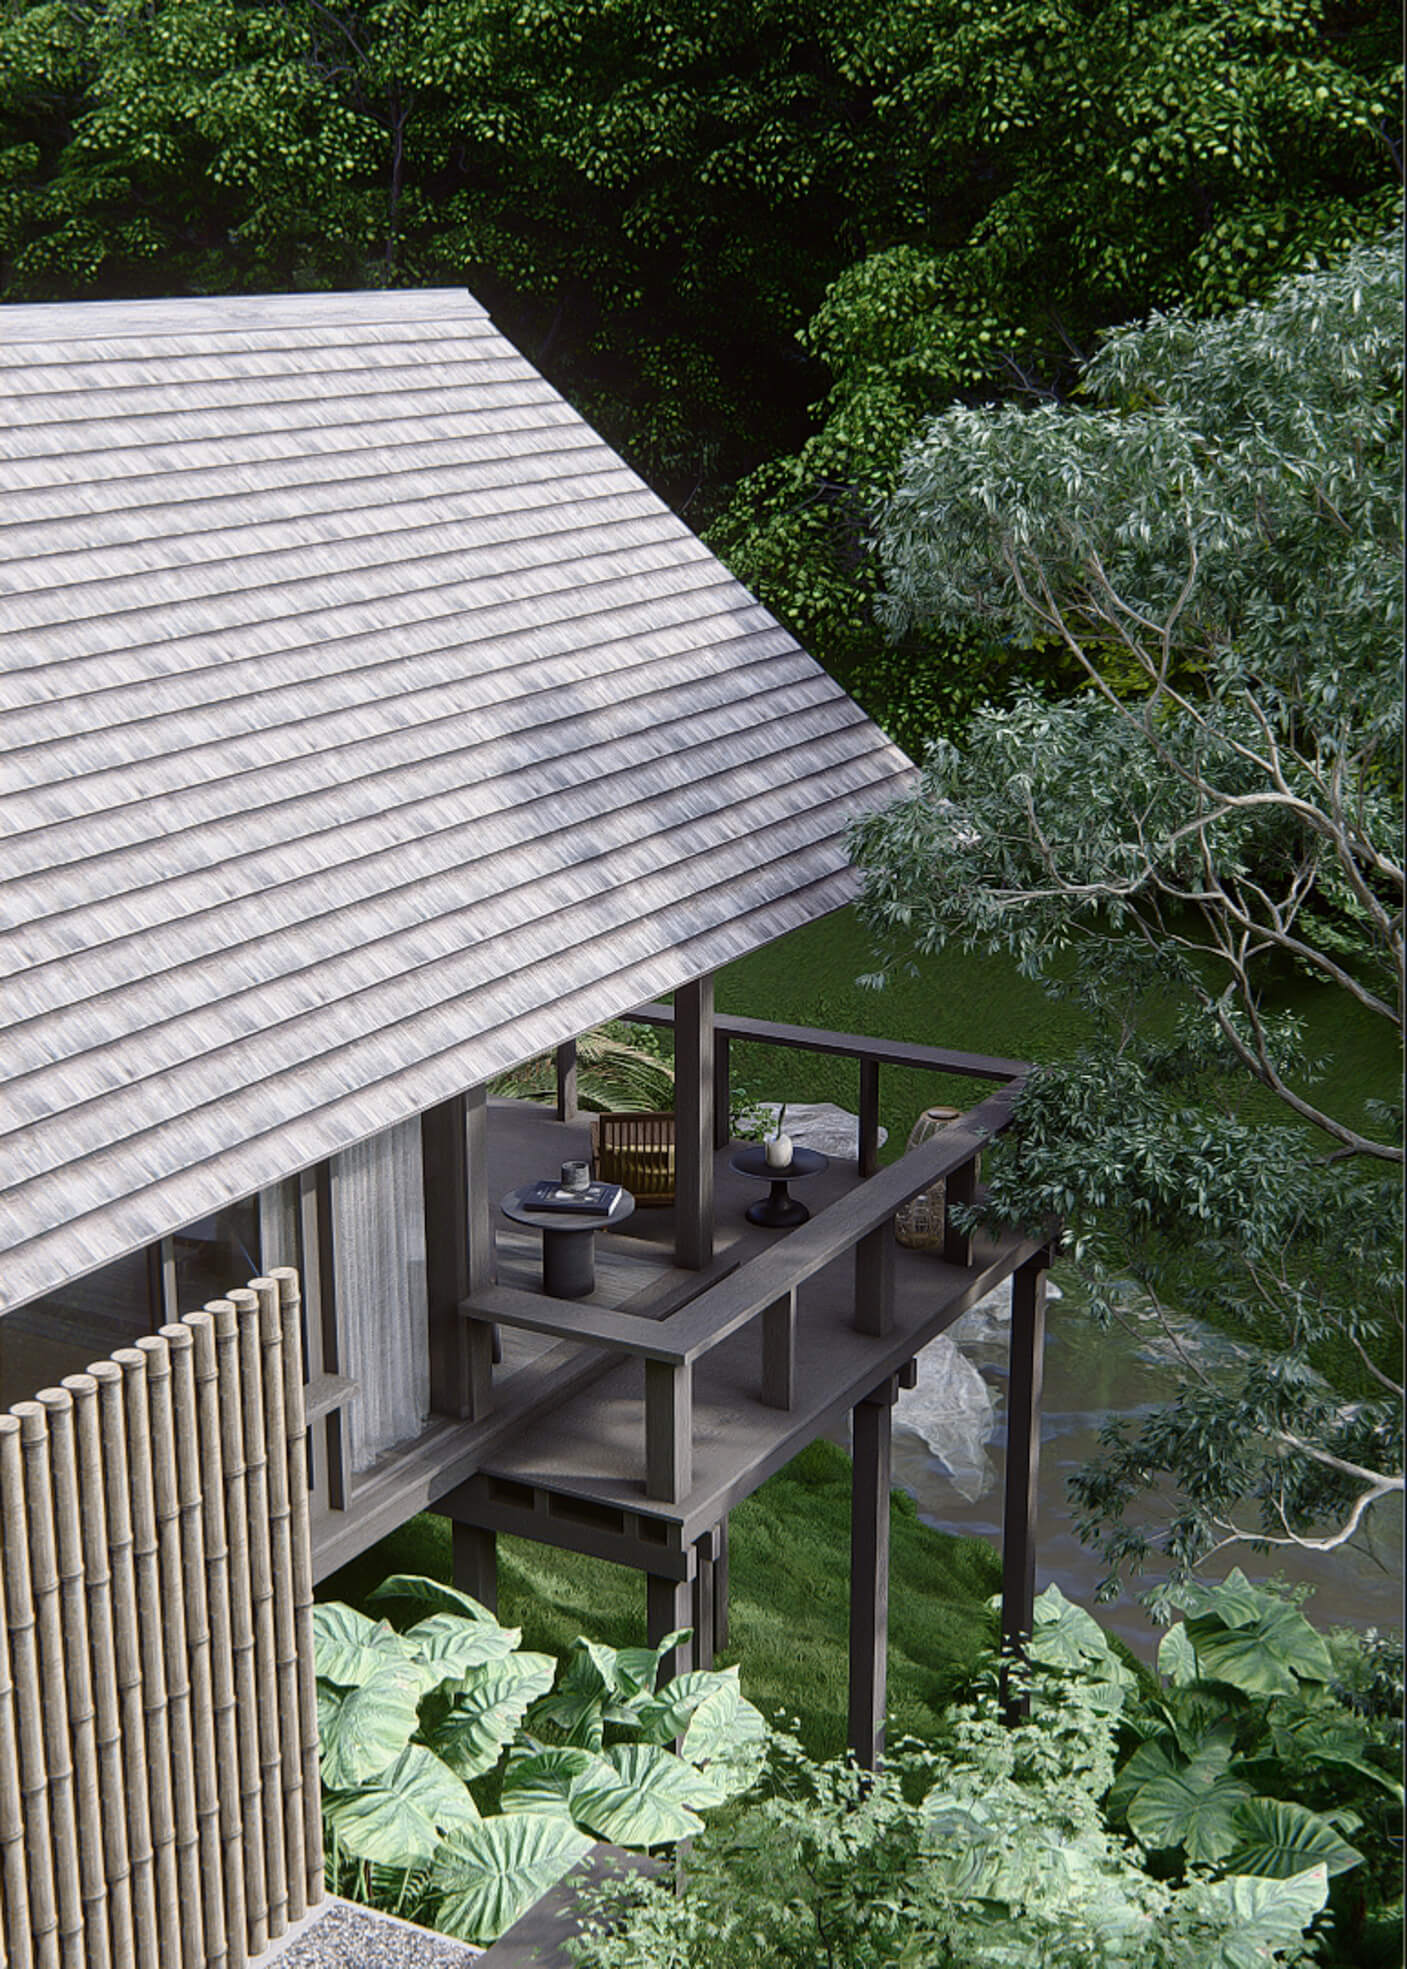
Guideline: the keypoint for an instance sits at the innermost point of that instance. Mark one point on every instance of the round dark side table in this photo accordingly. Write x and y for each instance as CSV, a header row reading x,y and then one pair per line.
x,y
568,1240
778,1211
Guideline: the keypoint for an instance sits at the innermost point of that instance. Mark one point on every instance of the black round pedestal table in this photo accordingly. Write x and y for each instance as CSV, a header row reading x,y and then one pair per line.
x,y
779,1210
568,1241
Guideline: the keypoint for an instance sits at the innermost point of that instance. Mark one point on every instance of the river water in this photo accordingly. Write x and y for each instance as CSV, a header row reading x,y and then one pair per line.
x,y
949,1451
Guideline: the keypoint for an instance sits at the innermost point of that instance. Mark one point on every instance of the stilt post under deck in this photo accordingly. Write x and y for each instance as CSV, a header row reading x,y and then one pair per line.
x,y
475,1563
669,1605
693,1123
872,1422
720,1584
1023,1459
701,1615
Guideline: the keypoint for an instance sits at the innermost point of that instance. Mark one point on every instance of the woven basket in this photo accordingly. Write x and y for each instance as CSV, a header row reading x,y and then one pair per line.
x,y
918,1224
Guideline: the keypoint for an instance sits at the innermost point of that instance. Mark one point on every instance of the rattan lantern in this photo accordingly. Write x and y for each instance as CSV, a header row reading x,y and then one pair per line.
x,y
918,1224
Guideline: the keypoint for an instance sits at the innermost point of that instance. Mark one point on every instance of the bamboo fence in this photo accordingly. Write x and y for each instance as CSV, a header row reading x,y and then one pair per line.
x,y
159,1791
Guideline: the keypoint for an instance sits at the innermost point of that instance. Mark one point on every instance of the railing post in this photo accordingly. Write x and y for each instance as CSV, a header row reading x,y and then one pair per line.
x,y
779,1351
693,1123
961,1188
1023,1460
874,1280
722,1090
869,1117
669,1431
566,1081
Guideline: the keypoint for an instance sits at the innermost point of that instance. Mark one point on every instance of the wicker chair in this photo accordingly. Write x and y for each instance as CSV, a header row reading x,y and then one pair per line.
x,y
636,1151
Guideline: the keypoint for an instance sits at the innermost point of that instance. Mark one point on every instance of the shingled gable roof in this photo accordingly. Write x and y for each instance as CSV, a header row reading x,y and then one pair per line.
x,y
369,727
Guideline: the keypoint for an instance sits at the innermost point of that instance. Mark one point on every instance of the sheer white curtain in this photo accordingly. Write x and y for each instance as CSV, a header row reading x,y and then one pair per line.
x,y
378,1243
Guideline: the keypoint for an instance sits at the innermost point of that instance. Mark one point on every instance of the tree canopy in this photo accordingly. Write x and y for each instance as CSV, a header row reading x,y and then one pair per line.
x,y
1214,539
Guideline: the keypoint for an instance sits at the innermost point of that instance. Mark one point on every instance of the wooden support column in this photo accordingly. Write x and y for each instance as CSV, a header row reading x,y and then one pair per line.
x,y
779,1351
475,1563
872,1421
874,1281
322,1345
669,1431
566,1081
961,1187
1023,1460
693,1123
722,1090
869,1117
720,1584
458,1251
702,1606
161,1283
669,1605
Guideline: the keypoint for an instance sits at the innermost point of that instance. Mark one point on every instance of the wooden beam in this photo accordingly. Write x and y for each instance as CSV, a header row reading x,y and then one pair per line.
x,y
874,1281
446,1184
693,1123
322,1347
161,1283
869,1116
720,1584
1023,1462
567,1109
474,1562
779,1351
722,1090
669,1431
872,1421
701,1611
852,1045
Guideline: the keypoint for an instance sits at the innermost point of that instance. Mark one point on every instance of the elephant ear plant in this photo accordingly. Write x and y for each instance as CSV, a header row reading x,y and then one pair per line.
x,y
459,1784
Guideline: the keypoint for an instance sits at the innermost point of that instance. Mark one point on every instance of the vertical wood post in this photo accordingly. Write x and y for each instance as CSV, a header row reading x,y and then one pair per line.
x,y
483,1348
874,1281
322,1349
161,1281
475,1562
669,1431
566,1081
869,1117
720,1583
693,1123
1023,1462
960,1187
702,1605
872,1421
442,1156
722,1090
779,1351
668,1607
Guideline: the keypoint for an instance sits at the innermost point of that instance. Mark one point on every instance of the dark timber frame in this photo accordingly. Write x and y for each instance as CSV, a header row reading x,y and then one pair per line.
x,y
816,1312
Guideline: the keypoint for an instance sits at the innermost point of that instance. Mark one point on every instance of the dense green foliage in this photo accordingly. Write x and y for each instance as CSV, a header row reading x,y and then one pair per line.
x,y
457,1780
996,1846
761,239
1220,531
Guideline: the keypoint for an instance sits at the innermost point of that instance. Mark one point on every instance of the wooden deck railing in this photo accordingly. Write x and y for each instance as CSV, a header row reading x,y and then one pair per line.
x,y
159,1795
765,1289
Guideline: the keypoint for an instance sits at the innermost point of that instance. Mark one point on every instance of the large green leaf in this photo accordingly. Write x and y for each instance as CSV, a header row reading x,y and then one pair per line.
x,y
432,1592
540,1777
348,1648
485,1715
452,1645
1277,1839
1268,1914
709,1712
394,1818
1266,1657
365,1730
1190,1805
489,1875
1233,1601
649,1767
1065,1636
640,1806
1177,1658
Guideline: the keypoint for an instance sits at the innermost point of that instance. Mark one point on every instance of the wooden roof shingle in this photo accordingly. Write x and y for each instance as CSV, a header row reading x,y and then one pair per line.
x,y
368,727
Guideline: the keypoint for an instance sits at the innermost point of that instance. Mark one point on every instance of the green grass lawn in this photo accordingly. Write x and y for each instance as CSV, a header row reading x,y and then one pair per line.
x,y
790,1560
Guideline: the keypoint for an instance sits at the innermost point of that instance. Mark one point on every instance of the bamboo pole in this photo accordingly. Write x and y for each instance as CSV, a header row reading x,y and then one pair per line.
x,y
57,1404
217,1594
291,1314
261,1592
48,1617
25,1854
107,1724
146,1571
231,1394
166,1503
271,1343
127,1654
186,1424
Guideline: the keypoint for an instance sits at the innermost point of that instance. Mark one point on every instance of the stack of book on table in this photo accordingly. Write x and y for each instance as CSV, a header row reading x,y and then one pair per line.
x,y
596,1200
